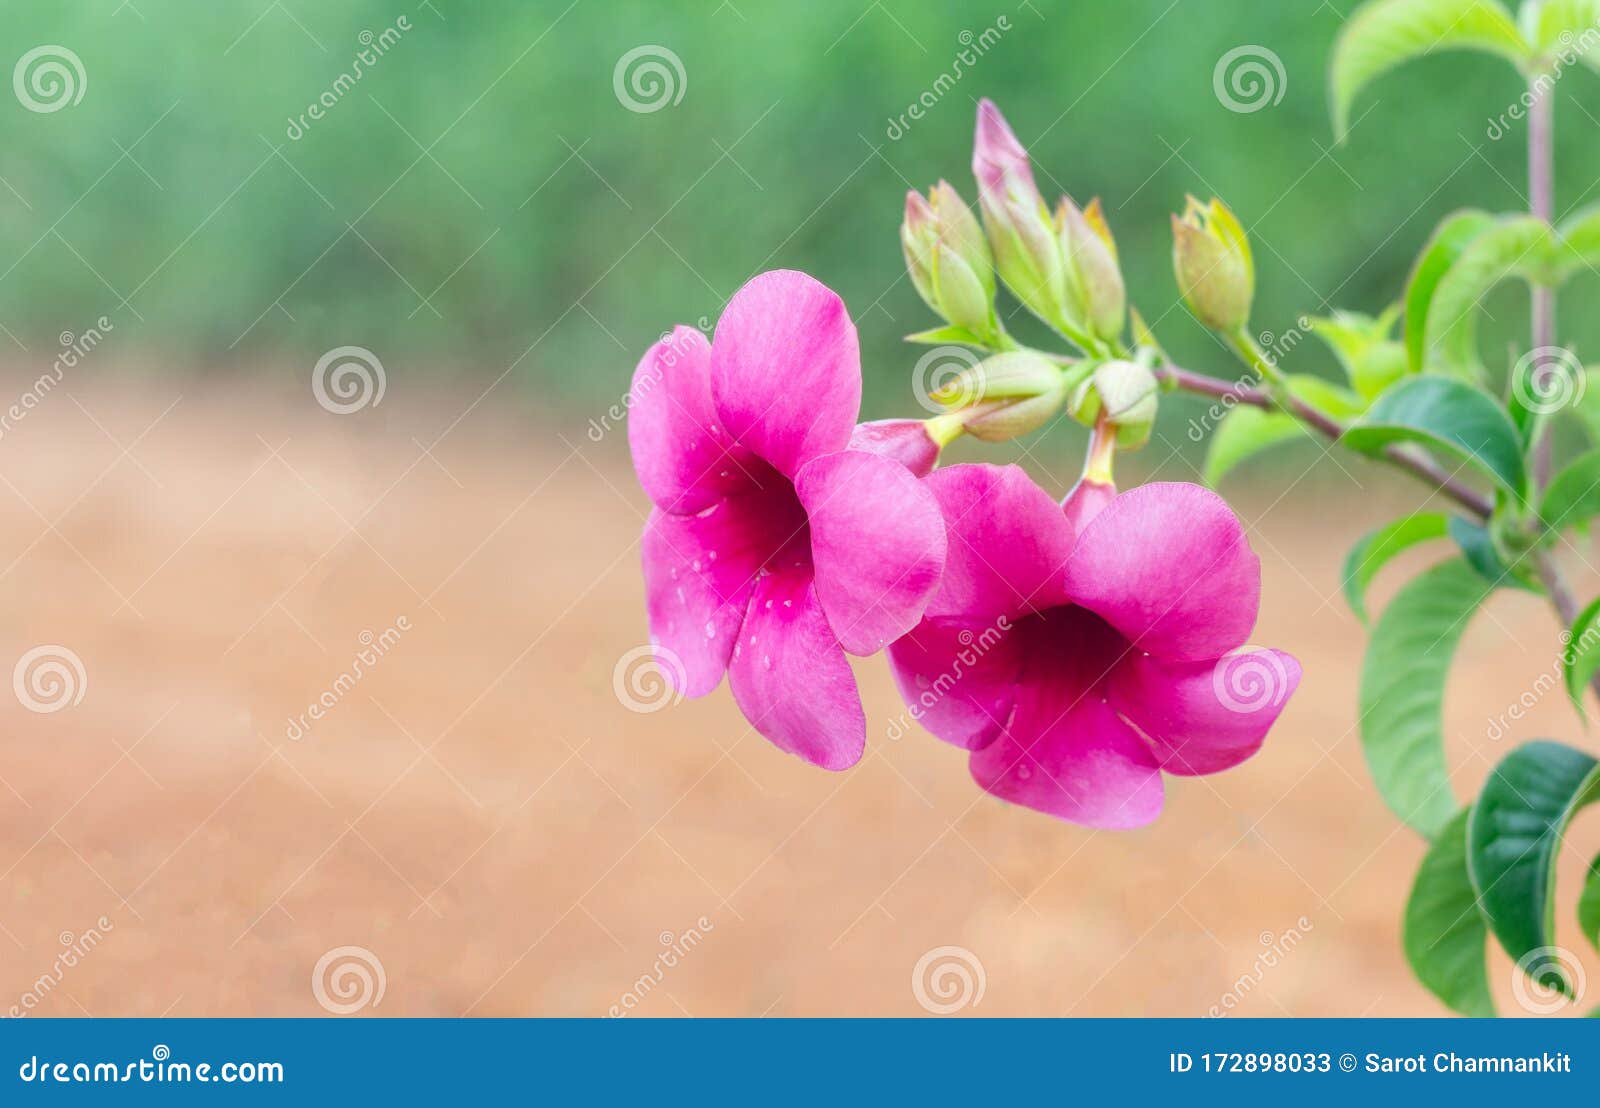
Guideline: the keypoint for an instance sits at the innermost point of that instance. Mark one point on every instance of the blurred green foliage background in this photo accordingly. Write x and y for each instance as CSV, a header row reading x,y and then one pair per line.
x,y
481,199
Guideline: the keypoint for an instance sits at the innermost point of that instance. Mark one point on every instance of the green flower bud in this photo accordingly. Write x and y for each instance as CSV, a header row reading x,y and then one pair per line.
x,y
1015,375
1211,257
948,259
1096,296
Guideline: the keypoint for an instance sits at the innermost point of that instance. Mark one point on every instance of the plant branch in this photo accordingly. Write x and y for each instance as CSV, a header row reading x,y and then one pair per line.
x,y
1418,465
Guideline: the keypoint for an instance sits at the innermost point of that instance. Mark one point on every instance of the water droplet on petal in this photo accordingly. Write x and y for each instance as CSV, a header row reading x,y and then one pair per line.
x,y
711,630
766,661
711,556
788,604
696,565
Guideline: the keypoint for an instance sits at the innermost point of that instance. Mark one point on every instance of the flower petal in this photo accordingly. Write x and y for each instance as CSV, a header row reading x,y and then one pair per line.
x,y
1205,717
956,680
1169,566
1085,766
684,459
1008,543
699,572
878,543
786,369
905,440
790,677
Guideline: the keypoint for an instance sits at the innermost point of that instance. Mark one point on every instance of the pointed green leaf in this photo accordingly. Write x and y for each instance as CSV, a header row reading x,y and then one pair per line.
x,y
1441,412
1565,30
1449,239
1578,237
1376,548
1513,837
1382,34
1521,246
1445,934
1573,496
942,335
1580,659
1478,549
1243,433
1402,691
1589,905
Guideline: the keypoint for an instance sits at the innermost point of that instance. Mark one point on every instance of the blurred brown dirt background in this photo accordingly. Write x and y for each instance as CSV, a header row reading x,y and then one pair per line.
x,y
483,814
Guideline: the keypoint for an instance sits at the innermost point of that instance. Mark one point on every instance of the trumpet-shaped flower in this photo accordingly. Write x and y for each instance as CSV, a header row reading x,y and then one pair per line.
x,y
1079,659
773,548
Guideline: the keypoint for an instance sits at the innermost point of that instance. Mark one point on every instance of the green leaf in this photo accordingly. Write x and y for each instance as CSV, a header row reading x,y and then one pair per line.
x,y
1442,412
1513,837
1581,658
1445,934
1243,433
1564,29
1589,905
1382,34
1449,239
1578,237
1478,548
1573,496
1512,246
1376,548
1402,691
941,335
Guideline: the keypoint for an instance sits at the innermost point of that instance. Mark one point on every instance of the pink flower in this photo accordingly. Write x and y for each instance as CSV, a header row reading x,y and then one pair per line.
x,y
1076,668
774,549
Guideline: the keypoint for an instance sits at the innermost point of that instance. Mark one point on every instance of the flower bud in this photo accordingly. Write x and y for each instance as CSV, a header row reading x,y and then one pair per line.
x,y
1096,296
948,259
1026,251
1211,257
1004,420
1014,375
1123,395
908,441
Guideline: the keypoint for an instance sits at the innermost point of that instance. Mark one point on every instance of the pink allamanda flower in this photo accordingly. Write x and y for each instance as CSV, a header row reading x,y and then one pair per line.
x,y
1080,652
775,548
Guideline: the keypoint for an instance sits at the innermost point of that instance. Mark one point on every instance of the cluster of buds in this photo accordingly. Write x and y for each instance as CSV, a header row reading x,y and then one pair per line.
x,y
949,261
1063,268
